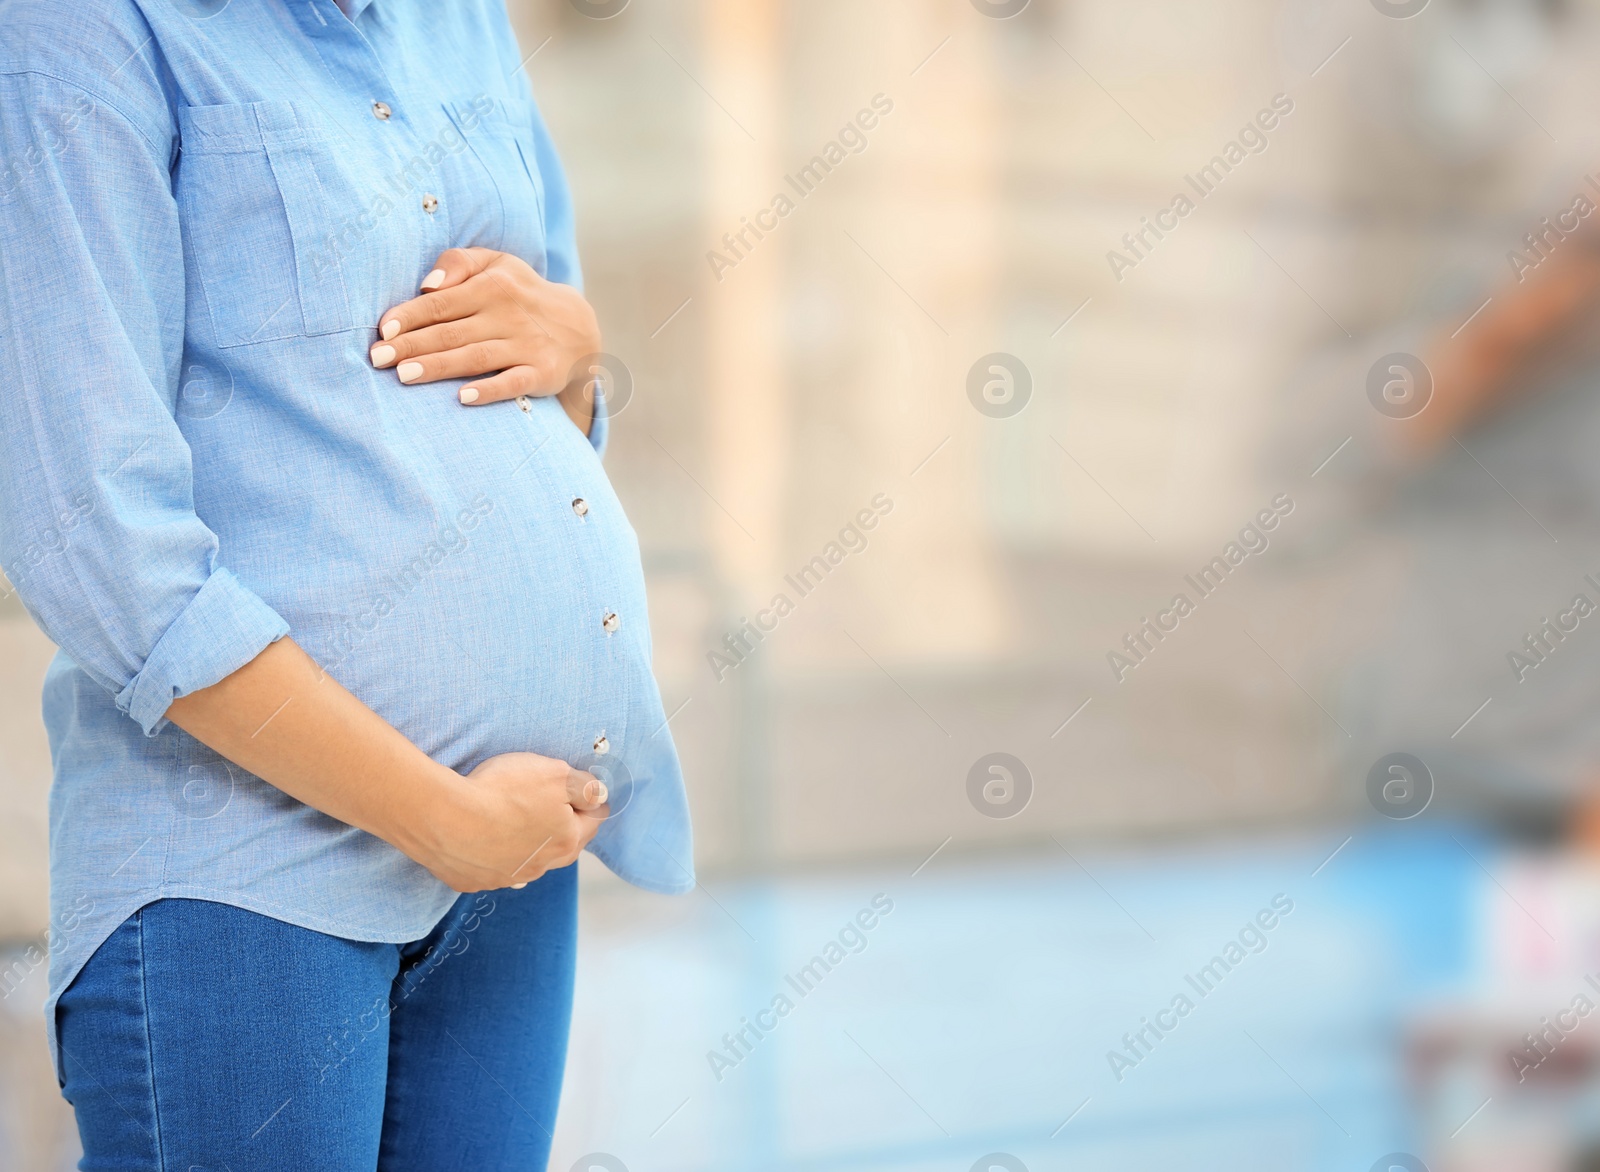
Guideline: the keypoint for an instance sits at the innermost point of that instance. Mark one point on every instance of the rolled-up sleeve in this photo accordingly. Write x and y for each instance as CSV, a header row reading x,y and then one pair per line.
x,y
98,531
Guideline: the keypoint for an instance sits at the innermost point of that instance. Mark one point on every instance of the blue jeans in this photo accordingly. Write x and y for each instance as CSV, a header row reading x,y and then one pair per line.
x,y
202,1036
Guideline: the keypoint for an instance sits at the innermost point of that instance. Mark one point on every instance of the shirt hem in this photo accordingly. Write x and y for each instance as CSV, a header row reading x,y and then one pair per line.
x,y
637,879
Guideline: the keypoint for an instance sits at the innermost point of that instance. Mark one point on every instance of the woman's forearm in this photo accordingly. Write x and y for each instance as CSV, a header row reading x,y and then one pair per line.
x,y
290,723
294,726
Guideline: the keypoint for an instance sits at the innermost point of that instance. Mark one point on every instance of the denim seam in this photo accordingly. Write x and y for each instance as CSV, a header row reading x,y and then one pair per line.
x,y
149,1046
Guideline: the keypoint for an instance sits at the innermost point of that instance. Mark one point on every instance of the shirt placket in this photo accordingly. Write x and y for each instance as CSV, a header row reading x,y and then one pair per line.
x,y
345,47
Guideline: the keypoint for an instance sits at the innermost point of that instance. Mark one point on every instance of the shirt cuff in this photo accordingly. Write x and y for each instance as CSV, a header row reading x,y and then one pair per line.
x,y
600,426
223,628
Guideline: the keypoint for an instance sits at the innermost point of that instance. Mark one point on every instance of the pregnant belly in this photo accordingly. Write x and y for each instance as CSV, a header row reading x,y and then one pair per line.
x,y
505,613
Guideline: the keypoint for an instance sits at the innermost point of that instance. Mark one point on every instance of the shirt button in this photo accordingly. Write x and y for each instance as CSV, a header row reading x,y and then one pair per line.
x,y
601,745
580,506
381,111
430,204
611,622
522,401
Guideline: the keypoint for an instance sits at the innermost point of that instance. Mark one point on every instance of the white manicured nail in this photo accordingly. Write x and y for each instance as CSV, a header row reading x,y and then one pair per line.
x,y
390,329
518,886
382,355
409,371
469,394
433,280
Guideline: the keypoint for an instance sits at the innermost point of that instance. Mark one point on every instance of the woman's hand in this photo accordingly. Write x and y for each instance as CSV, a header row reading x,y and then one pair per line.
x,y
483,311
284,719
509,821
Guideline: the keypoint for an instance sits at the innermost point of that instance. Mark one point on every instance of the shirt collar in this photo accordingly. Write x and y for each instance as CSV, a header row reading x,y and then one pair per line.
x,y
353,8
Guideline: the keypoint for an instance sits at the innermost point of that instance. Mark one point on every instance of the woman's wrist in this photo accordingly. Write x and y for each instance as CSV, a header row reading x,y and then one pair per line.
x,y
427,805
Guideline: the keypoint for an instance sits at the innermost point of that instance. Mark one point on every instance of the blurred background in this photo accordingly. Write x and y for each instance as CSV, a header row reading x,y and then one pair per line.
x,y
1283,307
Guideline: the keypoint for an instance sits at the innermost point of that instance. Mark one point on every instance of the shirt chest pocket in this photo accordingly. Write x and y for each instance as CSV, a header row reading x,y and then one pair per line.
x,y
253,205
500,132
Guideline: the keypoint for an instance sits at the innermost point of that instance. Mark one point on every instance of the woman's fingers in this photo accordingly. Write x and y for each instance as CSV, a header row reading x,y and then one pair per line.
x,y
455,265
511,383
446,305
463,362
466,349
550,855
462,349
585,791
450,335
448,292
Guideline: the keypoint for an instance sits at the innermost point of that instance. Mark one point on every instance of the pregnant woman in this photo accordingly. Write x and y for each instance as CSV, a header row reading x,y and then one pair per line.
x,y
299,467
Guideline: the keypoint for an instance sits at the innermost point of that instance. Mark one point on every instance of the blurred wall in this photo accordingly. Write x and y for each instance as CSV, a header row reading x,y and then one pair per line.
x,y
831,365
24,776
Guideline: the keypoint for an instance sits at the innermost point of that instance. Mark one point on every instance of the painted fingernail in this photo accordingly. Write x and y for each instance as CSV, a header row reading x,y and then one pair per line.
x,y
433,280
409,371
390,329
518,886
469,394
382,355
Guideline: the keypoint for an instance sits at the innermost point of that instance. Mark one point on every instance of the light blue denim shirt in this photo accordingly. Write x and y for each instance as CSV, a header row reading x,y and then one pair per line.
x,y
204,209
